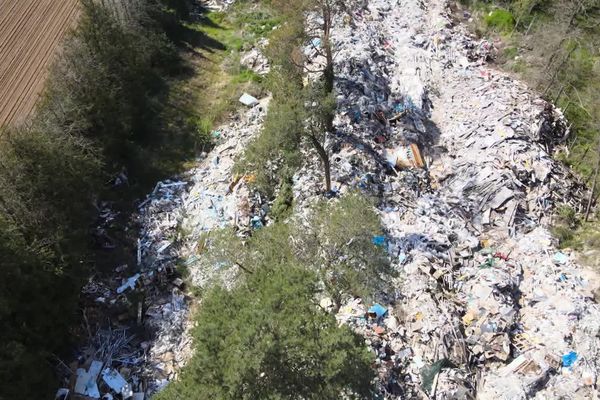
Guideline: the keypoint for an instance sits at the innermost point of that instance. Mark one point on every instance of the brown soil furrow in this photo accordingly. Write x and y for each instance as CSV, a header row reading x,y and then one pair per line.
x,y
19,24
29,38
20,44
7,20
15,15
30,34
27,52
35,66
29,101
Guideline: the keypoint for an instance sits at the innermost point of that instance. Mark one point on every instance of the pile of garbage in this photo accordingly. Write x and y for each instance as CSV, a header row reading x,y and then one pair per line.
x,y
141,327
460,157
135,316
218,5
255,60
218,198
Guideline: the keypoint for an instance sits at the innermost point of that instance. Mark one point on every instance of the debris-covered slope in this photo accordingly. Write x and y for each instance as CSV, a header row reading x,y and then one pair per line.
x,y
486,298
458,156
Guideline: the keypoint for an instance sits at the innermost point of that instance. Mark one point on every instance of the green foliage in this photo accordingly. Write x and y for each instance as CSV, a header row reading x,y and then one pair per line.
x,y
109,86
267,339
282,206
275,152
500,19
45,187
181,8
104,108
335,240
510,52
573,232
36,307
567,216
247,75
300,114
251,20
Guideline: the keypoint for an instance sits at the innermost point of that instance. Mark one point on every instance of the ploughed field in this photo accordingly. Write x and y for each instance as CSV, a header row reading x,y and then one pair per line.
x,y
30,35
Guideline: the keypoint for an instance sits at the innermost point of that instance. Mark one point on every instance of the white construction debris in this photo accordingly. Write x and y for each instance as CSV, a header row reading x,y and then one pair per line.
x,y
486,308
248,100
460,157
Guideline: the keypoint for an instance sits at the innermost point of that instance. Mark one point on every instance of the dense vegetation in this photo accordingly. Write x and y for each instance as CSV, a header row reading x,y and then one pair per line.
x,y
267,337
103,112
555,46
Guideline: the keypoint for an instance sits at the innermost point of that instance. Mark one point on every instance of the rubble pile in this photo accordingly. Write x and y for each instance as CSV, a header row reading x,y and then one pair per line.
x,y
148,341
135,316
165,303
218,5
255,59
216,198
459,155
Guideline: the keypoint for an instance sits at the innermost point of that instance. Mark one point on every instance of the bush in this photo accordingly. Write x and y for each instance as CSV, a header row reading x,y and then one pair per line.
x,y
500,19
267,339
335,241
109,86
282,206
275,153
45,203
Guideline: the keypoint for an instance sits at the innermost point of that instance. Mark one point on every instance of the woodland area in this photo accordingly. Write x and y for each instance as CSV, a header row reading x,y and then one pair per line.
x,y
105,112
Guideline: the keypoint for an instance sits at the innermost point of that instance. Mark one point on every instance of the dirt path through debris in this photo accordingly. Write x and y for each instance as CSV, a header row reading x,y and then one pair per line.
x,y
30,33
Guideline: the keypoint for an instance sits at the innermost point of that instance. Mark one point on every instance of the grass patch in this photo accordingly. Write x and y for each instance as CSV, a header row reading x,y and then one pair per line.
x,y
500,20
223,37
510,52
247,75
585,236
575,233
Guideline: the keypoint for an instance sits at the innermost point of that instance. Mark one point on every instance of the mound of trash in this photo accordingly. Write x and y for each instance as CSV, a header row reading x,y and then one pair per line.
x,y
460,157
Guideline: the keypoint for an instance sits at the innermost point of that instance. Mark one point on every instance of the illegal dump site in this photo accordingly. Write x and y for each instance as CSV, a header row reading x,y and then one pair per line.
x,y
456,157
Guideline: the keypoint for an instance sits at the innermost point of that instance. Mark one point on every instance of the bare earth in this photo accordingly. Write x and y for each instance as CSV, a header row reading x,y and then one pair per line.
x,y
30,34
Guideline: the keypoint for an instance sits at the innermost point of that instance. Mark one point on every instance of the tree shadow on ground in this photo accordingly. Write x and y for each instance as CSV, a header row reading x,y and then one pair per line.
x,y
181,32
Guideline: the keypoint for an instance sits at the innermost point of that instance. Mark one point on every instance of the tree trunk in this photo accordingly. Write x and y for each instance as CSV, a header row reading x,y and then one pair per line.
x,y
328,73
325,160
589,204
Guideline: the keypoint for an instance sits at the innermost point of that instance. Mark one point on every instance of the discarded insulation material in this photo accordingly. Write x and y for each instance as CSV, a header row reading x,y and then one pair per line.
x,y
248,100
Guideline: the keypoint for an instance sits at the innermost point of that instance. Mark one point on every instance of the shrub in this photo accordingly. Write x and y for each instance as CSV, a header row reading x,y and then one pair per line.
x,y
268,339
46,183
501,20
335,241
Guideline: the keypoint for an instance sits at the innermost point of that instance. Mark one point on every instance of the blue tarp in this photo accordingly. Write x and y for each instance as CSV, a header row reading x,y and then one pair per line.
x,y
569,359
378,241
378,310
